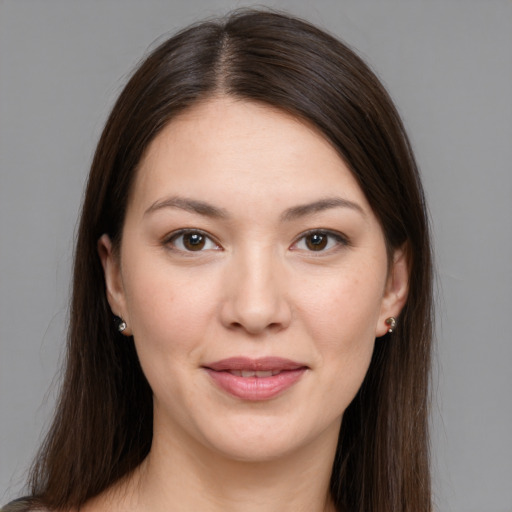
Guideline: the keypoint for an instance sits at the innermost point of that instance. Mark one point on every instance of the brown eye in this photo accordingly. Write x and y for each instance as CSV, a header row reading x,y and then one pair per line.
x,y
321,241
194,241
316,241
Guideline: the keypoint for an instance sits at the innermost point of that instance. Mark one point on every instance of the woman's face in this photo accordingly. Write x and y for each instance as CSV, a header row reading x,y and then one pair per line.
x,y
254,278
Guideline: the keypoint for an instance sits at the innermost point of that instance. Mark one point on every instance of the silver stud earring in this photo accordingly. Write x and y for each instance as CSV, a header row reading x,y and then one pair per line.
x,y
391,323
122,326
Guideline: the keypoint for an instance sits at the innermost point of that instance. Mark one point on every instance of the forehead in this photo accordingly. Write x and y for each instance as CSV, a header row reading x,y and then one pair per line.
x,y
241,152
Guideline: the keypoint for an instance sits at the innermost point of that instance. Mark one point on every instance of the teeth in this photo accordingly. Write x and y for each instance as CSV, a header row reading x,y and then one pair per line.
x,y
252,373
264,374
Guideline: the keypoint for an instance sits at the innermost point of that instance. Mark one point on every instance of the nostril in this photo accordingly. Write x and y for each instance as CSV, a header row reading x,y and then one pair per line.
x,y
256,329
275,326
254,304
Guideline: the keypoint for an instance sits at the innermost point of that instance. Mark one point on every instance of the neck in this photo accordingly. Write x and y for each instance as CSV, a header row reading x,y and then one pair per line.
x,y
196,478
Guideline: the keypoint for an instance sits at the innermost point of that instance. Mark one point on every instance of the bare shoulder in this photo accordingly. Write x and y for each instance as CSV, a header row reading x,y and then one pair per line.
x,y
21,505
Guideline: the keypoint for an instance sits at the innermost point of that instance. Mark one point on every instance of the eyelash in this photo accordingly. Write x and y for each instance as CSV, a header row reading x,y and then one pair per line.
x,y
170,241
338,238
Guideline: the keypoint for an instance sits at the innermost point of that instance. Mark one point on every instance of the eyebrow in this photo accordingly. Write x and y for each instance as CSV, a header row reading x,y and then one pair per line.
x,y
189,205
318,206
295,212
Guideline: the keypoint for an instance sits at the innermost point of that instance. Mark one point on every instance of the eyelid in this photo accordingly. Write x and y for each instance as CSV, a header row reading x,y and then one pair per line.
x,y
169,238
341,240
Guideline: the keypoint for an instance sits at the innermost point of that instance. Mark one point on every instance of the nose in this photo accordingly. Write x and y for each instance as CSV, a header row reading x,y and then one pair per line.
x,y
256,295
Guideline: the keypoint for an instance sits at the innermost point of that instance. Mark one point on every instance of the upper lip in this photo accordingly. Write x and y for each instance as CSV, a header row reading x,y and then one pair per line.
x,y
258,364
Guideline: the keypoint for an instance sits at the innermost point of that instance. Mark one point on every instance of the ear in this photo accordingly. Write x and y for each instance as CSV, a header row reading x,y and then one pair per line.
x,y
113,280
397,288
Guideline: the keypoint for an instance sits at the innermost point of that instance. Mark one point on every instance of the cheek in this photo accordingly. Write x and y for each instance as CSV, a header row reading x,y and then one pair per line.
x,y
341,317
170,316
169,311
344,308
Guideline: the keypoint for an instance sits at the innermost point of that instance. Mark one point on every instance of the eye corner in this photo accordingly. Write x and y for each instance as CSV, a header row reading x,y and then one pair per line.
x,y
190,241
321,241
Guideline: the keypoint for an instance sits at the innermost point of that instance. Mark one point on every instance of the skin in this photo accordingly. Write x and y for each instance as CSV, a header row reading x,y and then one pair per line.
x,y
256,288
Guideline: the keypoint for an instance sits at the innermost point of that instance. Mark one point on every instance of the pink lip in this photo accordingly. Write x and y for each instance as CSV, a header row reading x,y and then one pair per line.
x,y
255,388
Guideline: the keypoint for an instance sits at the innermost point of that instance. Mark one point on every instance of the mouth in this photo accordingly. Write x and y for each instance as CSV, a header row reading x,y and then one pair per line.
x,y
258,373
255,379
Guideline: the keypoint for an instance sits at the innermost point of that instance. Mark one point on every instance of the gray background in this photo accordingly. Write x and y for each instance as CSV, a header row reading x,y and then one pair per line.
x,y
448,65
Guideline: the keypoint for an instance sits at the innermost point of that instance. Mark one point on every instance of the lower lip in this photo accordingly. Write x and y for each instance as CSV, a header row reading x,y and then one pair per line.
x,y
256,388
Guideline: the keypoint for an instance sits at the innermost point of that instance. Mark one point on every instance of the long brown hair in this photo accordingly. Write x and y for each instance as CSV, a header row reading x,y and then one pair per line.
x,y
102,428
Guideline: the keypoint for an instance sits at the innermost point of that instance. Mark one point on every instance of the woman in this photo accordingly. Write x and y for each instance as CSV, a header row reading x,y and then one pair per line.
x,y
250,324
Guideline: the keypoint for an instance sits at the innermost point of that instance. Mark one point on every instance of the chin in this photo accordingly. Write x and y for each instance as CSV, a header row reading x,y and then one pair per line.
x,y
256,440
